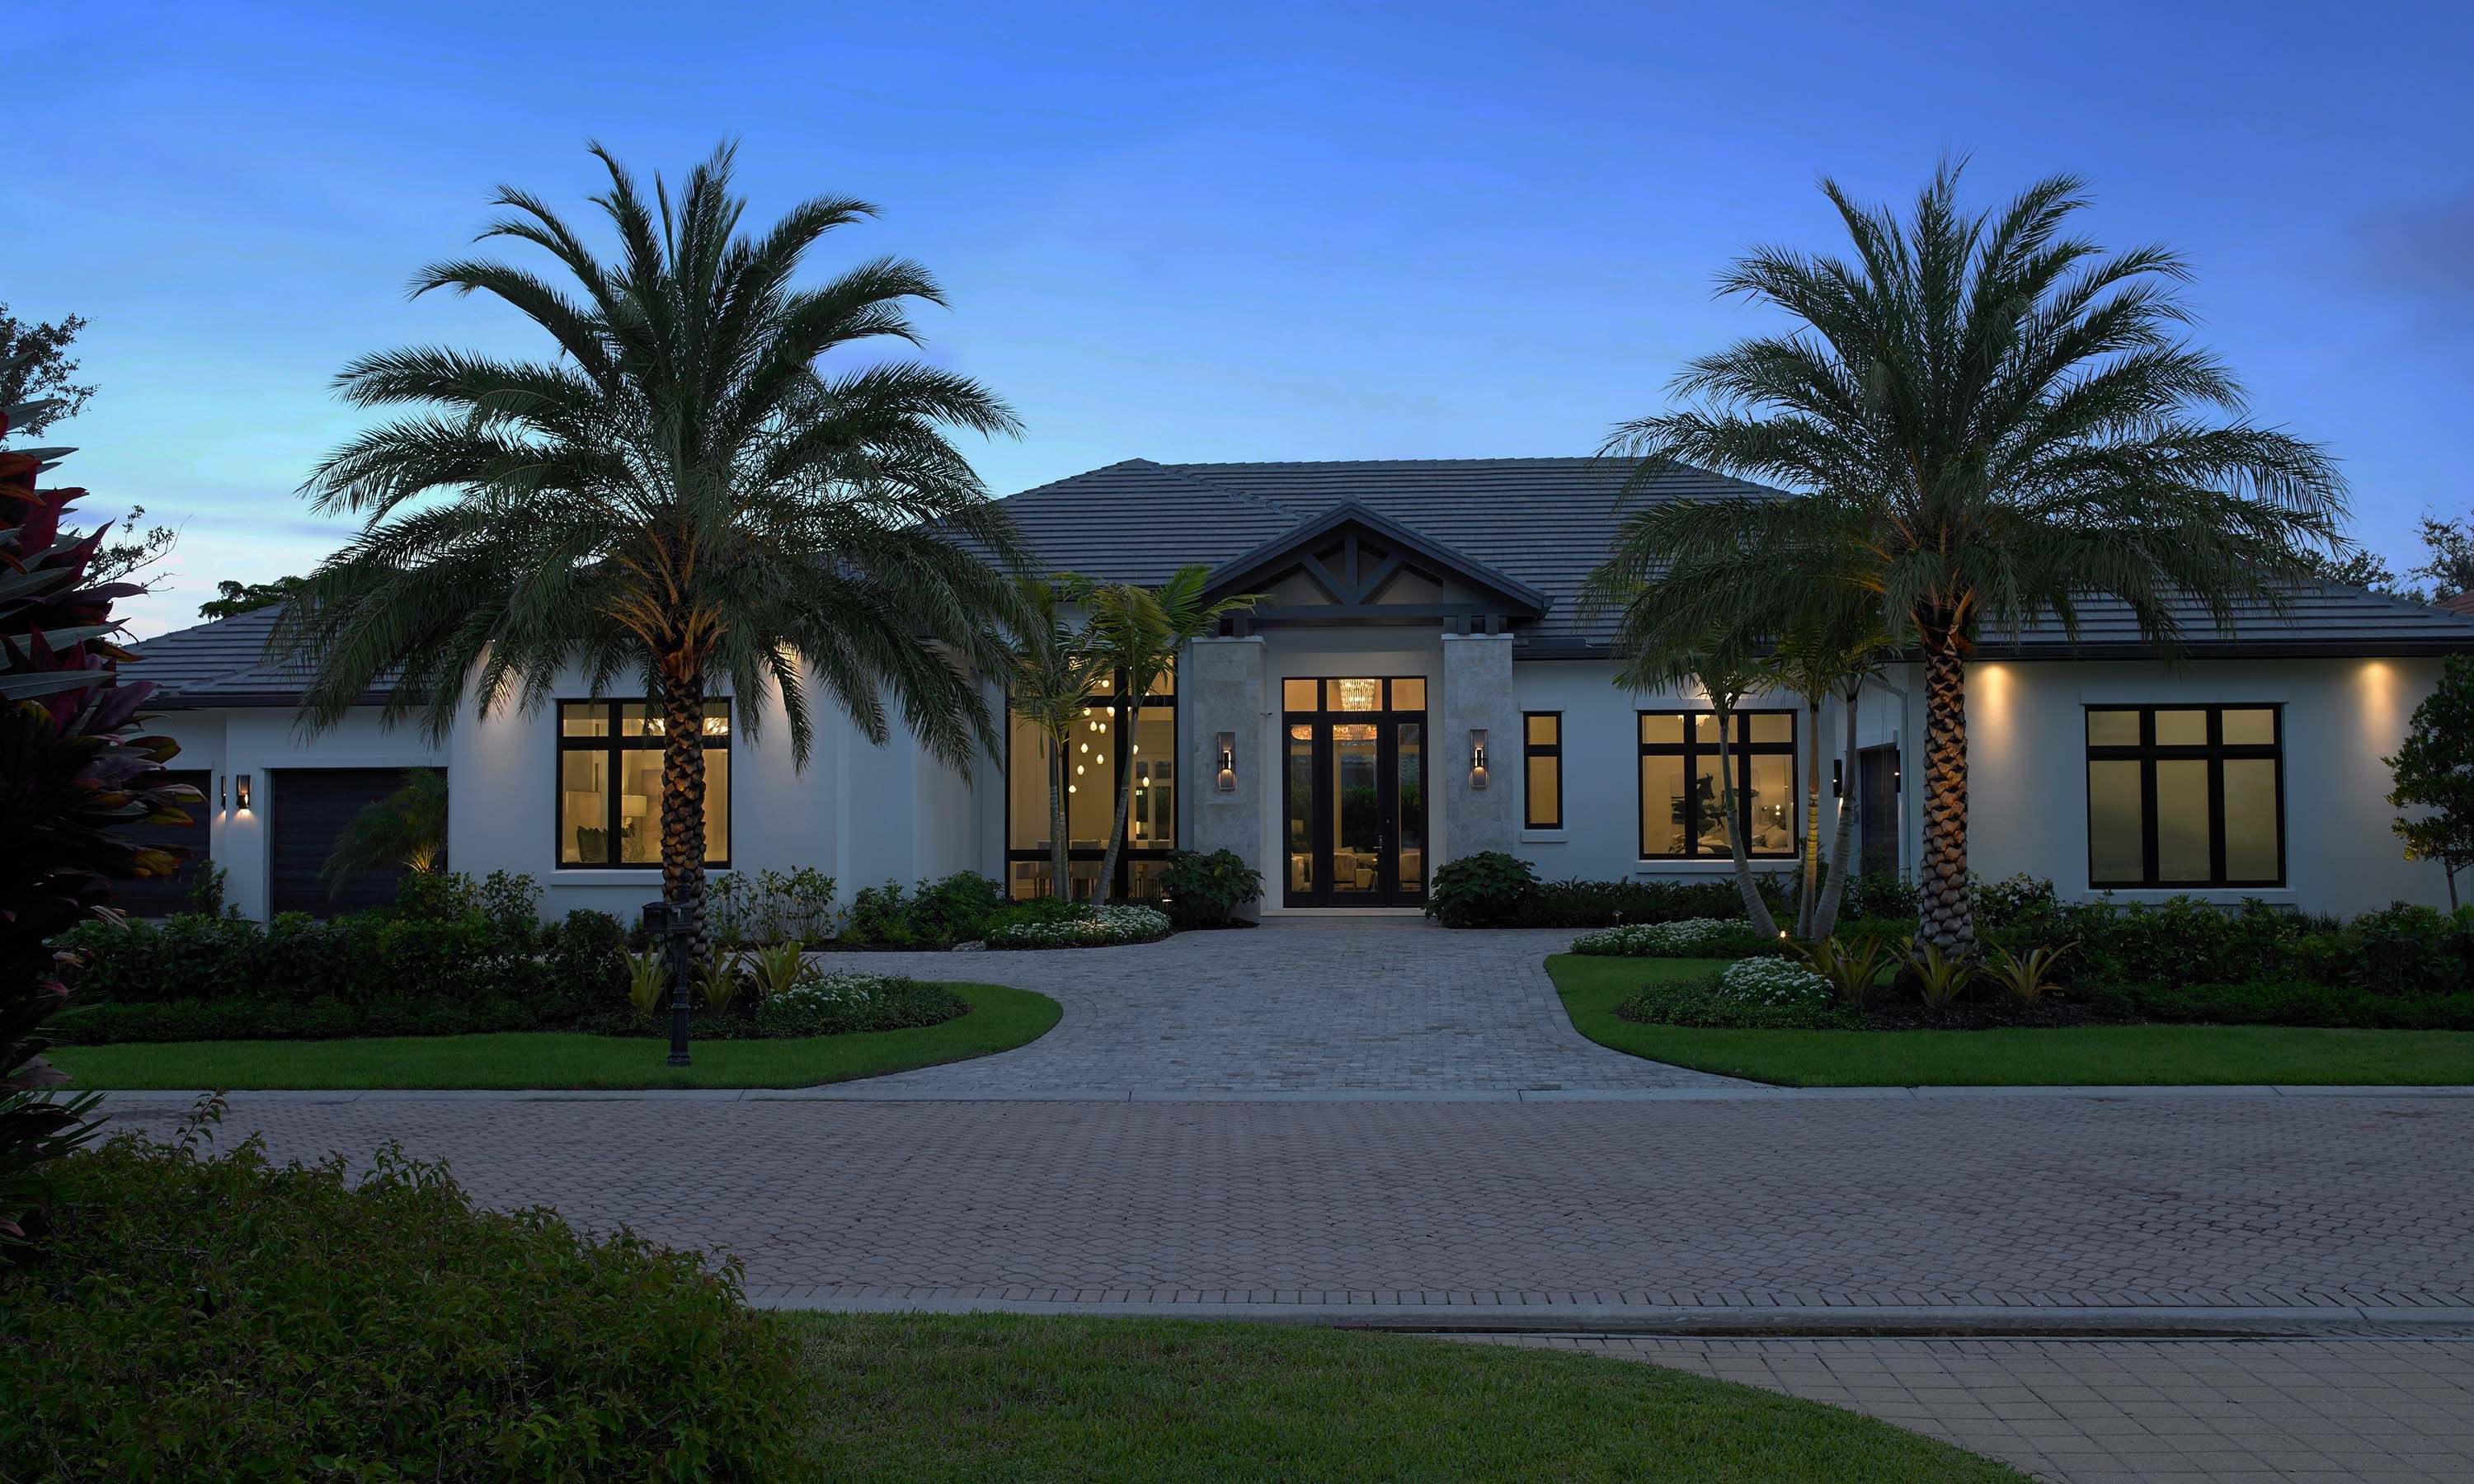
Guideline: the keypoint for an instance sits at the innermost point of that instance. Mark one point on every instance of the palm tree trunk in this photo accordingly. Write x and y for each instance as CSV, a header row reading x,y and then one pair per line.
x,y
1949,919
1842,854
1060,883
683,800
1117,833
1755,909
1809,892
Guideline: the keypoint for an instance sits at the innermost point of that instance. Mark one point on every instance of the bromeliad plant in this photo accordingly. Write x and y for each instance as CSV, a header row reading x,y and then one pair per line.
x,y
1851,968
1940,977
648,980
773,970
2028,976
73,776
717,982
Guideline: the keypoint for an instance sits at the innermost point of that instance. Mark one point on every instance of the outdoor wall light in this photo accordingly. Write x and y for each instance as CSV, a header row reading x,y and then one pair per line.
x,y
1227,744
1477,757
240,792
1836,786
223,793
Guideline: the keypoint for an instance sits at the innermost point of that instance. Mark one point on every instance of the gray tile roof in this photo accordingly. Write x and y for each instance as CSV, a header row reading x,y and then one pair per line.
x,y
1544,522
1547,522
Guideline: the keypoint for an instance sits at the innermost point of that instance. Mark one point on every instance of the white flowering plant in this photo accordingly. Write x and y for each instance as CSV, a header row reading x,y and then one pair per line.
x,y
1098,928
1689,938
841,1001
1773,981
1764,992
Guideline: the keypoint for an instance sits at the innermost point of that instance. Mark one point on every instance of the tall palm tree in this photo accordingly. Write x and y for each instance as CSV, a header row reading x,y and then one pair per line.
x,y
682,495
1999,422
1140,632
1052,673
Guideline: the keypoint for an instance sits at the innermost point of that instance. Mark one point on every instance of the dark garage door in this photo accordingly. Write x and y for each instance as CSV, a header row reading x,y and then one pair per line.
x,y
163,896
311,807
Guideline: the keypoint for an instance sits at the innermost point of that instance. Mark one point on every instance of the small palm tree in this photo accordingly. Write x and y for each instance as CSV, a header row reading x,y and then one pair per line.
x,y
1986,423
1052,673
408,828
682,495
1140,632
1726,670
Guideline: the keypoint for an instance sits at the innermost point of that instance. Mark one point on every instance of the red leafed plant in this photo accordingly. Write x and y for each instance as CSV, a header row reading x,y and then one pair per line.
x,y
73,777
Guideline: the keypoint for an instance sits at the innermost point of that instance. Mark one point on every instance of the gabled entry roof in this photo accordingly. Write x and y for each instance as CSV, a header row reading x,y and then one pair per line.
x,y
1353,564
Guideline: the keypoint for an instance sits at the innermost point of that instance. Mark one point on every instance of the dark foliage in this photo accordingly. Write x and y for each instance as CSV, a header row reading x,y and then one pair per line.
x,y
1486,890
1204,890
1691,1002
224,1319
73,776
900,1005
2290,1002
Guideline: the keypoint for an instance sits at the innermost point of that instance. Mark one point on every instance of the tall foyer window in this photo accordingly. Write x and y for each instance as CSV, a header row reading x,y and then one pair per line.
x,y
2185,796
610,784
1542,746
1682,814
1113,733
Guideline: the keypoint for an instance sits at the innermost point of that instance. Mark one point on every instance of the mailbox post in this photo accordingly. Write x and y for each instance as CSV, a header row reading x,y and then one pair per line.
x,y
673,927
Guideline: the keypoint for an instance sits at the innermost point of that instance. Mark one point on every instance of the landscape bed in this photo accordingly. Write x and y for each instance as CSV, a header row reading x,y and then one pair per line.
x,y
2090,1055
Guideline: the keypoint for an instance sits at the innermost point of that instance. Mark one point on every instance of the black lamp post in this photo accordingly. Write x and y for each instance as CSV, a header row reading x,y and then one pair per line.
x,y
672,926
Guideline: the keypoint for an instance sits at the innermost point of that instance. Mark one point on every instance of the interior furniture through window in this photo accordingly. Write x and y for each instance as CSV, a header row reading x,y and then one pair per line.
x,y
1682,814
2186,795
610,784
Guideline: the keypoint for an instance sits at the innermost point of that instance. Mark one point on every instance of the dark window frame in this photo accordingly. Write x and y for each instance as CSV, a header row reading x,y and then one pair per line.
x,y
2216,753
1387,719
1529,815
613,745
1741,751
1121,719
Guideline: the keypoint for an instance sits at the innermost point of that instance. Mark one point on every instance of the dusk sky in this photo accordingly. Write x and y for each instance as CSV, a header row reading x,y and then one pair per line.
x,y
1255,231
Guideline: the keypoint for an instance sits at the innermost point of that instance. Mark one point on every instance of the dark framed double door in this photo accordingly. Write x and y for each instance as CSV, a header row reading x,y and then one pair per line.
x,y
1354,797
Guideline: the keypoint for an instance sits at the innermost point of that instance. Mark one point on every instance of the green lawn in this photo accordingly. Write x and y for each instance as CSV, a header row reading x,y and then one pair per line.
x,y
2073,1056
922,1399
1000,1018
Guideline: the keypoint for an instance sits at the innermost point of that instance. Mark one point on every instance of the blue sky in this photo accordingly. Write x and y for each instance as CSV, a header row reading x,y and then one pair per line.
x,y
1219,232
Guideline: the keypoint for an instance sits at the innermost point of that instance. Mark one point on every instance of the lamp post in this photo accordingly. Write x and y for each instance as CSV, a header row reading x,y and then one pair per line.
x,y
675,930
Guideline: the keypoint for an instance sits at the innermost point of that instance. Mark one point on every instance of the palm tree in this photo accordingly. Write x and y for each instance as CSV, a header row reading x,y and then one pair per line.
x,y
1051,674
408,828
682,495
2001,422
1140,632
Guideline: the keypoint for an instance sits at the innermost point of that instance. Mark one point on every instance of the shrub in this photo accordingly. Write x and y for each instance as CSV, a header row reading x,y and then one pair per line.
x,y
586,959
276,1019
1204,890
1095,927
1485,889
2005,904
2290,1004
2409,950
955,909
768,906
879,918
222,1318
1753,993
838,1004
1880,894
1580,904
1691,938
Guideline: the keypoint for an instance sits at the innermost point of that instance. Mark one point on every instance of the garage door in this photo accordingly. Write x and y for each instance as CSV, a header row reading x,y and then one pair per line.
x,y
309,808
163,896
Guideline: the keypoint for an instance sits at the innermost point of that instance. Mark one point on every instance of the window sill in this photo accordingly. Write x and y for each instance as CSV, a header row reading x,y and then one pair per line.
x,y
1543,837
1699,865
616,875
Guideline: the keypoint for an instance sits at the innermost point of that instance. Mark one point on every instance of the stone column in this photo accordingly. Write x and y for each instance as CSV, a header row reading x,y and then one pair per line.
x,y
1477,693
1220,690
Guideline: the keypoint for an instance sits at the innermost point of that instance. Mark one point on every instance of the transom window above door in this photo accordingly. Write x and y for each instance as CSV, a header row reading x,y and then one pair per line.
x,y
1397,693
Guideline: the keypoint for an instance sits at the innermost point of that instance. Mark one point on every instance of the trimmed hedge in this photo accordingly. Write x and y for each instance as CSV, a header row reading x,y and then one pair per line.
x,y
2290,1004
275,1019
223,1319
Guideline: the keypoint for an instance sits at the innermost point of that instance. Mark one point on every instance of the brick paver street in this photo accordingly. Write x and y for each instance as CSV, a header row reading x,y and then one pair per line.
x,y
2130,1412
1377,1005
2220,1201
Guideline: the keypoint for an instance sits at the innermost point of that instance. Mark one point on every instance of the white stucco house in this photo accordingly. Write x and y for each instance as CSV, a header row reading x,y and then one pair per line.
x,y
1423,688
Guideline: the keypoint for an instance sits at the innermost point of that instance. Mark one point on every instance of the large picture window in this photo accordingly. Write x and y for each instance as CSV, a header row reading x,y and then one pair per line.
x,y
1542,746
2185,796
1113,733
610,784
1682,814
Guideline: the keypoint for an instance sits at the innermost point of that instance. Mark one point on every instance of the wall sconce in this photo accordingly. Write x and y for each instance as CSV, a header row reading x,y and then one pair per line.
x,y
223,792
1837,787
240,792
1228,743
1477,757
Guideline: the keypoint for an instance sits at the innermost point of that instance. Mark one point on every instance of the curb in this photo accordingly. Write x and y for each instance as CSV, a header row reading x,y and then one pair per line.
x,y
863,1092
1929,1321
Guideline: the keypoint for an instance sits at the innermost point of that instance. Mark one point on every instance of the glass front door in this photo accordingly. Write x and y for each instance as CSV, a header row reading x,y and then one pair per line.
x,y
1354,791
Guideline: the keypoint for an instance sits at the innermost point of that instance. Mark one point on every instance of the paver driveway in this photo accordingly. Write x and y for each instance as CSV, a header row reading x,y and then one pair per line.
x,y
1382,1004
